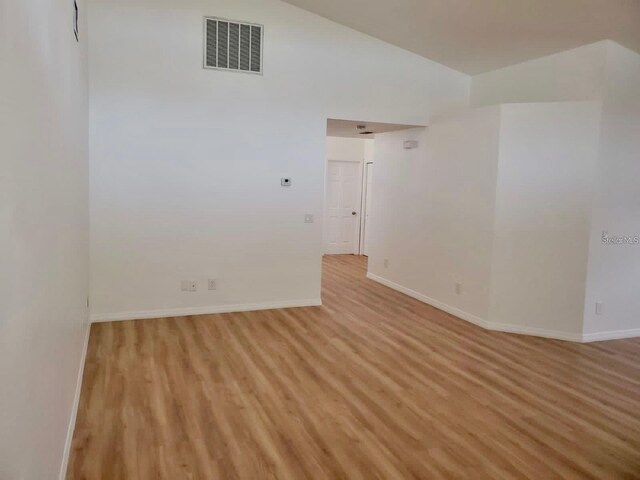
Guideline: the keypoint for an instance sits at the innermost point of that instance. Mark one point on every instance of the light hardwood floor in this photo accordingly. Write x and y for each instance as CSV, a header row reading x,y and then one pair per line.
x,y
373,385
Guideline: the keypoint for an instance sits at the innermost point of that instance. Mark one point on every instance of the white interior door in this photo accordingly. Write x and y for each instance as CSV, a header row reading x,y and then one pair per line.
x,y
342,207
367,208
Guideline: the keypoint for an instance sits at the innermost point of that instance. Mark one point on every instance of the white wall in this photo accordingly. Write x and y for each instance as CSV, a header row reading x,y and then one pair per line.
x,y
346,149
573,75
544,196
610,74
499,200
186,162
433,209
614,270
44,221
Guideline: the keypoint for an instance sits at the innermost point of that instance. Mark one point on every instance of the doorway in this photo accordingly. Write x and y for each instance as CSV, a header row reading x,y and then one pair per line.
x,y
343,207
349,185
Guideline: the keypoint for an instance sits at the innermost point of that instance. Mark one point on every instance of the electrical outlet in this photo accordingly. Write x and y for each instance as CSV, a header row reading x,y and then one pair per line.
x,y
459,288
599,308
189,286
212,284
386,263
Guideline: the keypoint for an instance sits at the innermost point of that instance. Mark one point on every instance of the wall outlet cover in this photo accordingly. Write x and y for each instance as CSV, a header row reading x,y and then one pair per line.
x,y
189,286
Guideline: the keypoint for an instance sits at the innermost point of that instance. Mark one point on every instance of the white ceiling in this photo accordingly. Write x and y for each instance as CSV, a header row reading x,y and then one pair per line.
x,y
475,36
349,128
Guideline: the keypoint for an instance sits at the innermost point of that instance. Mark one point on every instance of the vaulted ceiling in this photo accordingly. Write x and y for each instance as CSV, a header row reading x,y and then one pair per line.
x,y
475,36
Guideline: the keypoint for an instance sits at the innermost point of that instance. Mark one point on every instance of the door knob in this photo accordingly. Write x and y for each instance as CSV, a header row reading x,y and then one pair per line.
x,y
353,213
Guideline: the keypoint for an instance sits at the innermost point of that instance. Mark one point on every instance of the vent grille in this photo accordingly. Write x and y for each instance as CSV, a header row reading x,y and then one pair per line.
x,y
233,45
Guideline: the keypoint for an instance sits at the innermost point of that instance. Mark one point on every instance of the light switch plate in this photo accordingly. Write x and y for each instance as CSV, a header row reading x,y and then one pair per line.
x,y
599,308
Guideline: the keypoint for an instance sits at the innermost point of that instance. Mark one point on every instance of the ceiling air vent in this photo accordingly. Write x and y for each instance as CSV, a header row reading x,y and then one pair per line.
x,y
230,45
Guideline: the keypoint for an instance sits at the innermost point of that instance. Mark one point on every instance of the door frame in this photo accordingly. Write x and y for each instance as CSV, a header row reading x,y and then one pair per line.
x,y
358,236
363,206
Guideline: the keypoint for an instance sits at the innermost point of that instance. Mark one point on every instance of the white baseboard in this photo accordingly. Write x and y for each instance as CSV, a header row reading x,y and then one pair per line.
x,y
74,408
487,325
181,312
430,301
611,335
536,332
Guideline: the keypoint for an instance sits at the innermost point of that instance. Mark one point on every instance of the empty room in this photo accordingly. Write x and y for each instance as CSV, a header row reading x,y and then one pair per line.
x,y
319,239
